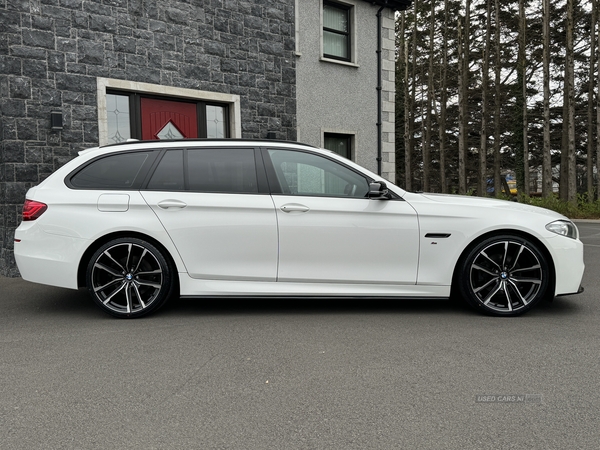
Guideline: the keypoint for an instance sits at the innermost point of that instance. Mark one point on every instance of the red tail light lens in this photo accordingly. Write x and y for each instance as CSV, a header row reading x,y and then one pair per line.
x,y
32,210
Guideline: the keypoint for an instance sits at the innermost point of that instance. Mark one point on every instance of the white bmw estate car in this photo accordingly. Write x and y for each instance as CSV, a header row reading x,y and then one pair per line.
x,y
140,222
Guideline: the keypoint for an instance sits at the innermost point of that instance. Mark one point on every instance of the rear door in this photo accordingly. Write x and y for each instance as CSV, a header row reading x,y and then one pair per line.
x,y
216,208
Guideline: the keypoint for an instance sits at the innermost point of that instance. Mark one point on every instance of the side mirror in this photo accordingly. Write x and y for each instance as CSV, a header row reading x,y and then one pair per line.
x,y
378,190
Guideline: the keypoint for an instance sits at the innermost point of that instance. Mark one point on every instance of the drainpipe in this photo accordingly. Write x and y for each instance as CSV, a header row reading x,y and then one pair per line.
x,y
379,89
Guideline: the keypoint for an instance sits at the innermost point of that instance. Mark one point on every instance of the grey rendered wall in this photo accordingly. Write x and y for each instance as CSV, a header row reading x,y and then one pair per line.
x,y
52,51
342,98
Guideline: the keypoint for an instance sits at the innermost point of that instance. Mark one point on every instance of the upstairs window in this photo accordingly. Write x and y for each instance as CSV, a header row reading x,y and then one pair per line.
x,y
336,31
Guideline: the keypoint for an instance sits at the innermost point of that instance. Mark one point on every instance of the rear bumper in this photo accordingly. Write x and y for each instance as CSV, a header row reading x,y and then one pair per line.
x,y
47,258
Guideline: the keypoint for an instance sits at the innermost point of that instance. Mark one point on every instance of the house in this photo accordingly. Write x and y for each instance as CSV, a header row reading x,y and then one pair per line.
x,y
81,73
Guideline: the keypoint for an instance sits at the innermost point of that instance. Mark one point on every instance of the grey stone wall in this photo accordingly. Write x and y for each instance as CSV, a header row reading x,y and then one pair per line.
x,y
51,52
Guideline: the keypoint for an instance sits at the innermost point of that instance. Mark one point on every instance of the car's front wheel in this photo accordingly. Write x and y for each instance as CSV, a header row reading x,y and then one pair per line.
x,y
504,275
129,277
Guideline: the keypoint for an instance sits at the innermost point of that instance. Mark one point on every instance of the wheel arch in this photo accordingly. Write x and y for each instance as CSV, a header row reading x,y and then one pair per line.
x,y
81,270
512,232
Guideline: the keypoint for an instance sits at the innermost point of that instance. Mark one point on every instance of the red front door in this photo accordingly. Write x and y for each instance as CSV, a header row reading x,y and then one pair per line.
x,y
167,119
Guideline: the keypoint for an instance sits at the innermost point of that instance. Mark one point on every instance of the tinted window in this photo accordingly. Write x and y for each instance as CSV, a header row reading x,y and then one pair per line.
x,y
168,176
300,173
208,170
222,170
112,172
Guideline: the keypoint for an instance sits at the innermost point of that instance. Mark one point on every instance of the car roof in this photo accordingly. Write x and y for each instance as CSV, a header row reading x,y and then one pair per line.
x,y
134,144
206,140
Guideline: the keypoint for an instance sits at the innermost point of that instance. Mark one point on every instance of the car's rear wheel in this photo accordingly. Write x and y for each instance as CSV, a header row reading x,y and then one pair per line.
x,y
129,277
504,275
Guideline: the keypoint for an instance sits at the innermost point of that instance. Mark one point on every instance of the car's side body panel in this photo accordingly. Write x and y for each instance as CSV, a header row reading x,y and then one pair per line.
x,y
191,287
220,236
465,220
51,248
338,240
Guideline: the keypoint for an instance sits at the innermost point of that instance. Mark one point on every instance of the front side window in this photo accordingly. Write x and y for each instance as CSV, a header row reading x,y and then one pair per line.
x,y
336,31
300,173
112,172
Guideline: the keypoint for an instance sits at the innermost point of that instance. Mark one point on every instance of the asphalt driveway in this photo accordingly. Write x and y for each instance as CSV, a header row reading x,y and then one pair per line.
x,y
299,374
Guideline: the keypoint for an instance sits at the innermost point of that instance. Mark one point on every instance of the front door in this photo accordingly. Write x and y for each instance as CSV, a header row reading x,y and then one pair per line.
x,y
168,119
330,232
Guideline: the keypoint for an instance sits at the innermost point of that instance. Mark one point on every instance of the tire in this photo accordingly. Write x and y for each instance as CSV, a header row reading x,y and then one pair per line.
x,y
504,275
129,278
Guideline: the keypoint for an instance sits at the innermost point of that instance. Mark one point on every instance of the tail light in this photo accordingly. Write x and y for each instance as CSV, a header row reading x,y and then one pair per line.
x,y
32,210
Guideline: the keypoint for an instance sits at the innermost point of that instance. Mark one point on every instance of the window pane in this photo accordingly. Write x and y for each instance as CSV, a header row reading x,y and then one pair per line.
x,y
335,18
117,112
339,144
302,173
168,176
222,170
215,121
112,172
335,44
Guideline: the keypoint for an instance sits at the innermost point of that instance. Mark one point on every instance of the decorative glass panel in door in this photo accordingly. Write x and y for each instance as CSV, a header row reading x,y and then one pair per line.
x,y
168,119
215,121
117,113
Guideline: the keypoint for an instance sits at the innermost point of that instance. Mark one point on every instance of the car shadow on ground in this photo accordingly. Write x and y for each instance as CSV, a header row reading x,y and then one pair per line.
x,y
216,306
46,300
323,306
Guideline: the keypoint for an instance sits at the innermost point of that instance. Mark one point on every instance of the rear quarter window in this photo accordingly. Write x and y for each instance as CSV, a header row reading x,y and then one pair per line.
x,y
120,171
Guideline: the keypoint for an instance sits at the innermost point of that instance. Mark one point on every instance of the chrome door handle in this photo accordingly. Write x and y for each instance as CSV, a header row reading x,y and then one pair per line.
x,y
171,204
294,207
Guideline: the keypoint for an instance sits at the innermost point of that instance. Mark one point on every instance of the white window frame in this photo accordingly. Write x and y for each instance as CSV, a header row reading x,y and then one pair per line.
x,y
233,101
353,33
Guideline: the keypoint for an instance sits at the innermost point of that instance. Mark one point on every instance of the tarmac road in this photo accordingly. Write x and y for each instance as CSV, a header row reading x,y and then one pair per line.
x,y
299,375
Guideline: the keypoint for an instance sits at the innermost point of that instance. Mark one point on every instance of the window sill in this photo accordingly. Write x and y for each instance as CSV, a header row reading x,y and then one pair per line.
x,y
337,61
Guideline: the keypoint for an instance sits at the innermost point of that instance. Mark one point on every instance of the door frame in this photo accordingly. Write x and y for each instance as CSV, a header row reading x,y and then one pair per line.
x,y
104,85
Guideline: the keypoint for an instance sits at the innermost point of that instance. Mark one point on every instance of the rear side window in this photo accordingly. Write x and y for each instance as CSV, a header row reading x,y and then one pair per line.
x,y
168,176
118,171
220,170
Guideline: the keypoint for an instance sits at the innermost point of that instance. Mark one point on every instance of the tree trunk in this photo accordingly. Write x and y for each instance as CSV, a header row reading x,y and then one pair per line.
x,y
463,93
590,128
547,161
401,107
427,143
411,108
597,99
570,78
497,161
485,81
564,147
523,56
444,101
